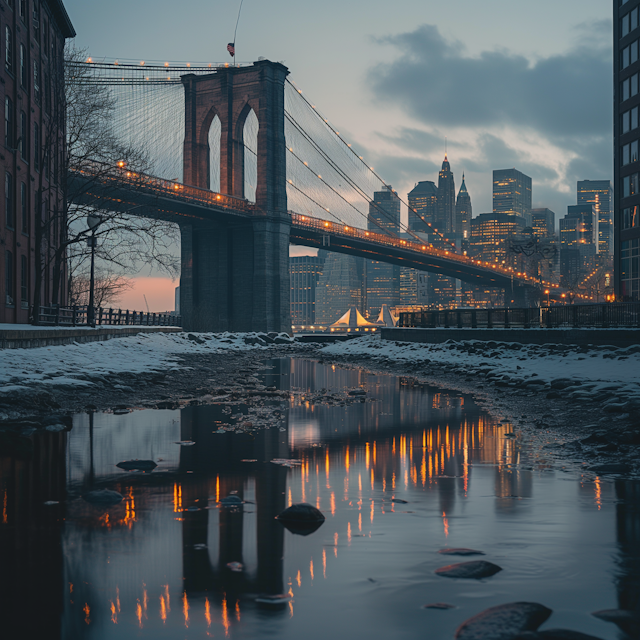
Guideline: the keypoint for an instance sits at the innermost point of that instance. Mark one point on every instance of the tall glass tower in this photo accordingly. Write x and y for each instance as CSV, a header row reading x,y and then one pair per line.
x,y
512,193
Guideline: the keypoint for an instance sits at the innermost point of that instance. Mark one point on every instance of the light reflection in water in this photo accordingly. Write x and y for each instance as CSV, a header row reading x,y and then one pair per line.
x,y
408,437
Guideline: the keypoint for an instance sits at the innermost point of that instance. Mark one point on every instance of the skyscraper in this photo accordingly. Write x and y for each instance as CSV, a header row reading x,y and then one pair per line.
x,y
600,194
305,273
423,207
626,131
340,286
543,222
383,280
512,193
462,226
446,199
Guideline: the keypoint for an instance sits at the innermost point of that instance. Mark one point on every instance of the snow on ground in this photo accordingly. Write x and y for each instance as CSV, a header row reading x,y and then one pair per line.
x,y
595,368
76,364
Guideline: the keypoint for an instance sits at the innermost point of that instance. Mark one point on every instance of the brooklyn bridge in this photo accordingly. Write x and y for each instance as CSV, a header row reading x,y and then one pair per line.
x,y
261,169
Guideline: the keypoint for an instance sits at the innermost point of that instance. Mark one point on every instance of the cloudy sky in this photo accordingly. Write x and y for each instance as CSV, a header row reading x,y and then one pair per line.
x,y
509,83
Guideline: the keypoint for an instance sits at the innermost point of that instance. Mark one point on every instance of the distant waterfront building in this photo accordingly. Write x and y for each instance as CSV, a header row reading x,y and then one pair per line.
x,y
543,222
423,207
340,287
177,300
512,194
599,193
626,132
305,273
445,220
462,227
382,280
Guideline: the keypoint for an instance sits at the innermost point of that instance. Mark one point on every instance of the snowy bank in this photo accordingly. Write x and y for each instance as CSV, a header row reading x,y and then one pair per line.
x,y
78,364
603,373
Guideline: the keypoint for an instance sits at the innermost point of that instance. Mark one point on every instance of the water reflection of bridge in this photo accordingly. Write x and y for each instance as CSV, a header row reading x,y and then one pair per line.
x,y
163,552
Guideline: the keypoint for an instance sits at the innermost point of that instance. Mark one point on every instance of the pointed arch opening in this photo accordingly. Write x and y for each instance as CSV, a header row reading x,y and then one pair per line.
x,y
215,131
250,140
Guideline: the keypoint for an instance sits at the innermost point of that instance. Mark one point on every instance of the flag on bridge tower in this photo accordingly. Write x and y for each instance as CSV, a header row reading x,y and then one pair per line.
x,y
231,48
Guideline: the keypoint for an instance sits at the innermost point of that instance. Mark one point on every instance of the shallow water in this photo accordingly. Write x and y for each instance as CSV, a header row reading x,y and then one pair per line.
x,y
155,566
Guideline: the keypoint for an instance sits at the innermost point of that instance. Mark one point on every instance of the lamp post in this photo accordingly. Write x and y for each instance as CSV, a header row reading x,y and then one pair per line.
x,y
93,221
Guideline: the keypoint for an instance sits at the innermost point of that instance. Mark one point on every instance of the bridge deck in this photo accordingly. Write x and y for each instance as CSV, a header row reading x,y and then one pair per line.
x,y
155,197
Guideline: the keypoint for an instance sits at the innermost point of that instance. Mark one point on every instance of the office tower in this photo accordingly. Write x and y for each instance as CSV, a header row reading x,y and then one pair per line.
x,y
446,199
578,232
423,207
340,286
600,194
543,222
491,234
462,227
512,193
626,221
305,273
383,280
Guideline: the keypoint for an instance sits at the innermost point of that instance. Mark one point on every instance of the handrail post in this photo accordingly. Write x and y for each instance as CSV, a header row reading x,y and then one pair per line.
x,y
474,319
489,318
575,316
506,318
459,314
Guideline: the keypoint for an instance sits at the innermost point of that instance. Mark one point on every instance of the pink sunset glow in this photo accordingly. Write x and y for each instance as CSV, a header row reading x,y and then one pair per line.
x,y
160,294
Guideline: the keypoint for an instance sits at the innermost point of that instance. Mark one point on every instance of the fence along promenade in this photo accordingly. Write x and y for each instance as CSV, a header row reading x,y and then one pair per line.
x,y
601,316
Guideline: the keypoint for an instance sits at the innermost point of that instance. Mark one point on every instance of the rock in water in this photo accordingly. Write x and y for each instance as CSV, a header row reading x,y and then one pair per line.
x,y
474,570
628,621
103,498
504,622
461,552
137,465
301,518
439,605
231,501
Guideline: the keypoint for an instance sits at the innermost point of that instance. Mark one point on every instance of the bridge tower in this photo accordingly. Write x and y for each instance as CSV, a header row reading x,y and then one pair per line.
x,y
235,275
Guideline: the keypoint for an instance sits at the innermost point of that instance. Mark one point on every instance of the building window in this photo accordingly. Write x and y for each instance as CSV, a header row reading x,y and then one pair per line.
x,y
8,122
36,81
36,146
8,277
626,87
23,10
36,22
630,269
24,137
24,208
23,67
24,280
626,122
624,62
630,185
630,217
10,213
8,50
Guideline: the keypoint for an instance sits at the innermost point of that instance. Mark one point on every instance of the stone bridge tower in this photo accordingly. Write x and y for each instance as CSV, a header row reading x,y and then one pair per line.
x,y
235,274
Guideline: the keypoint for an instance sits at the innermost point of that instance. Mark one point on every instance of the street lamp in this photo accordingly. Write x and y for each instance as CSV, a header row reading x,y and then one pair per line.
x,y
93,221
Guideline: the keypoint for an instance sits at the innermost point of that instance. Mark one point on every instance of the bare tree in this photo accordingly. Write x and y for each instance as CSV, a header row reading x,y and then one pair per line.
x,y
83,108
108,288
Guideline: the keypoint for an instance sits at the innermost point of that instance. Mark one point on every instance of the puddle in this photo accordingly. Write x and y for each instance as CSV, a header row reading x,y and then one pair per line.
x,y
170,561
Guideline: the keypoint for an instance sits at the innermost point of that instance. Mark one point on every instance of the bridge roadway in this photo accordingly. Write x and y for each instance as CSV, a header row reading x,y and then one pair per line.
x,y
143,195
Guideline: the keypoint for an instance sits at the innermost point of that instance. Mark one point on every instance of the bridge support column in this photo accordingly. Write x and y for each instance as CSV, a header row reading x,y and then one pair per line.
x,y
235,274
235,277
518,297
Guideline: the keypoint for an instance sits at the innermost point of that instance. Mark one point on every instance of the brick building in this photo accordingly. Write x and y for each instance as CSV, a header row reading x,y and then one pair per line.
x,y
32,38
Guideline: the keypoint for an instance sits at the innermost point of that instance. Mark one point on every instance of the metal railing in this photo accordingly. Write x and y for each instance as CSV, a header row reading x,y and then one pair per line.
x,y
161,187
76,316
602,316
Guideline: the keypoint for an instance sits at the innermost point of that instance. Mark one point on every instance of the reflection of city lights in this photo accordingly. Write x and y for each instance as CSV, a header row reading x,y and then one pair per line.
x,y
311,568
163,610
207,612
598,490
185,608
225,615
299,579
446,524
324,564
87,611
114,613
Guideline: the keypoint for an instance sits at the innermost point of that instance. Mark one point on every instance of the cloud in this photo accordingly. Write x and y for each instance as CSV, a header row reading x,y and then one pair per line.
x,y
438,83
